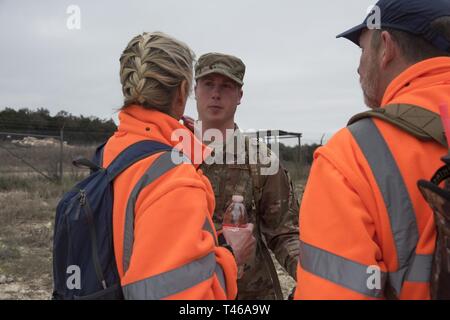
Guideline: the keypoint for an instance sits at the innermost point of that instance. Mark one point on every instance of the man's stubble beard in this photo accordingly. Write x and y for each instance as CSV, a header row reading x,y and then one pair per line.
x,y
370,85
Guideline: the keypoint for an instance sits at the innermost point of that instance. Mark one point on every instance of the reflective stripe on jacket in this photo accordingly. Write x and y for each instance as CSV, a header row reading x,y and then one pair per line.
x,y
363,223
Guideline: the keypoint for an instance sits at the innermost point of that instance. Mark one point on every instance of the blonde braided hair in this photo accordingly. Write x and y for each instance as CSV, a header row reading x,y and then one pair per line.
x,y
152,67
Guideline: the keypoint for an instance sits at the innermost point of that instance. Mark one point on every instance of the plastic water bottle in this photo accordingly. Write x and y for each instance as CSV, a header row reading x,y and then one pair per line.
x,y
235,215
234,219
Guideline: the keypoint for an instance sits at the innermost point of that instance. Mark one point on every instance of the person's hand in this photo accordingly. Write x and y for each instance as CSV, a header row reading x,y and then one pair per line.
x,y
242,241
188,122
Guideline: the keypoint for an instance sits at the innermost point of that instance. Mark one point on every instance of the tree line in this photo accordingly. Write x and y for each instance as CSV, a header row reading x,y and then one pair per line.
x,y
291,154
76,129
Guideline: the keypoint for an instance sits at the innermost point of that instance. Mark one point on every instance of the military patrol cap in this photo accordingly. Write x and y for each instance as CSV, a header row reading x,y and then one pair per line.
x,y
227,65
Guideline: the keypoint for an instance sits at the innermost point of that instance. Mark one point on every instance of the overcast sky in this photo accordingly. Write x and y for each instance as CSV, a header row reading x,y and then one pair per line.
x,y
298,78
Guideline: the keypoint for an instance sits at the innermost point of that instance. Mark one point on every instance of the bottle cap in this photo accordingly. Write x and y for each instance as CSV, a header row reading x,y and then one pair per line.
x,y
237,198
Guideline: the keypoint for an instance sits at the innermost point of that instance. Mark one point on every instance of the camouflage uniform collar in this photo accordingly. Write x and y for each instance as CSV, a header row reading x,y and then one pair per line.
x,y
229,146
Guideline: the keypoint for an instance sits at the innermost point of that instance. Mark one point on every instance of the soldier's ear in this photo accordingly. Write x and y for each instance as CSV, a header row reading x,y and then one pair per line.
x,y
195,91
241,93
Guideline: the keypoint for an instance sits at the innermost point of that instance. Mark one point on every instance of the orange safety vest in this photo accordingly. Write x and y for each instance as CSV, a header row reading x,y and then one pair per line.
x,y
364,227
164,238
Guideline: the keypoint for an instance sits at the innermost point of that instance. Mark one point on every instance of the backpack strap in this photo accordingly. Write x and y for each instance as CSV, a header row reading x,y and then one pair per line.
x,y
125,159
98,155
417,121
133,154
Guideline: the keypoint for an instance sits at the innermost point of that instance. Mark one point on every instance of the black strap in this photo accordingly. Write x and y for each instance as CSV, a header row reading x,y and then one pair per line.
x,y
81,162
133,154
98,155
442,174
125,159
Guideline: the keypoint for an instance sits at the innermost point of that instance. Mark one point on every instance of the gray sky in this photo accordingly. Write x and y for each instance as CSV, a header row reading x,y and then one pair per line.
x,y
298,78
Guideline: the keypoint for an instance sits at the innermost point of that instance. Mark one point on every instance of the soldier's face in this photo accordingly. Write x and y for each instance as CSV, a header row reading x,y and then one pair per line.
x,y
217,99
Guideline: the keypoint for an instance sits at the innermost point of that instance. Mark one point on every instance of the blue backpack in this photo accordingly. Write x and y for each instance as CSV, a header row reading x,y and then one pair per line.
x,y
84,265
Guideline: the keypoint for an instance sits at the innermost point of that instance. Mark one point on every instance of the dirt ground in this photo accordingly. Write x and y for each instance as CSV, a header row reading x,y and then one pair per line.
x,y
25,250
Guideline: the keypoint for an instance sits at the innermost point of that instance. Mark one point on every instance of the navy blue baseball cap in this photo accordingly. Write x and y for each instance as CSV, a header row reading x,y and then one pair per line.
x,y
413,16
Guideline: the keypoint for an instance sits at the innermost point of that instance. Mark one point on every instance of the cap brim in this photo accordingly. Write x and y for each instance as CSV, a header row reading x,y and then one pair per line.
x,y
226,74
353,34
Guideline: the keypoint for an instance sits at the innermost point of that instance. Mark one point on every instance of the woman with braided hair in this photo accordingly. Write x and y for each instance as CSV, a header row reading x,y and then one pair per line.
x,y
164,238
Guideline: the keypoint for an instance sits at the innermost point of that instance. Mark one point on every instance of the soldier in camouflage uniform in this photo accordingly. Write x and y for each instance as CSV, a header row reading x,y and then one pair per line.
x,y
269,199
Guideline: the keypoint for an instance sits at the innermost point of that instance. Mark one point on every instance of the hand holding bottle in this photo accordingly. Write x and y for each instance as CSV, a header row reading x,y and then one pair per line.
x,y
242,241
239,233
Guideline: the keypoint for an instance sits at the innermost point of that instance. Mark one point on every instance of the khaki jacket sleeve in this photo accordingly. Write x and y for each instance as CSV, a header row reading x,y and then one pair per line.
x,y
279,224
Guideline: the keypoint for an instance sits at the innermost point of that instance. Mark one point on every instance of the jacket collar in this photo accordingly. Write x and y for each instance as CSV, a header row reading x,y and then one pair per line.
x,y
158,126
426,73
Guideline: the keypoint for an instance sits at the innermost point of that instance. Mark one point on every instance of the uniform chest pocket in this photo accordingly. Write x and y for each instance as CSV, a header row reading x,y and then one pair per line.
x,y
228,180
240,182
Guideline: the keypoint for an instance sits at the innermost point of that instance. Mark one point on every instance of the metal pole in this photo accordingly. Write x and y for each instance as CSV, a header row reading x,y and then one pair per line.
x,y
299,156
61,154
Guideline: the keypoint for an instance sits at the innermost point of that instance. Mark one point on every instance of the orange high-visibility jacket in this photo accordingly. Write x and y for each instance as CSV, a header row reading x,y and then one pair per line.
x,y
363,223
173,252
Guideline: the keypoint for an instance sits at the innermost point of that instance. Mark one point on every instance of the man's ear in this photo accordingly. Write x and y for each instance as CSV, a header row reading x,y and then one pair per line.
x,y
389,49
241,93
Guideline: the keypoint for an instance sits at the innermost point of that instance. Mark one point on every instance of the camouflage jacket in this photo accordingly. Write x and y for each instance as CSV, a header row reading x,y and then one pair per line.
x,y
274,214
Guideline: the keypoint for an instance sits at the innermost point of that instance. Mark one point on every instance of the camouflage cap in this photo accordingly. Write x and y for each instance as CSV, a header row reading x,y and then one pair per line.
x,y
229,66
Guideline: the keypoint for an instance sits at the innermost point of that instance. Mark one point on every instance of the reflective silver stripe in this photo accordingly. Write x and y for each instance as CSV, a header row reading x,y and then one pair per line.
x,y
396,199
420,271
342,271
221,277
207,227
160,166
172,282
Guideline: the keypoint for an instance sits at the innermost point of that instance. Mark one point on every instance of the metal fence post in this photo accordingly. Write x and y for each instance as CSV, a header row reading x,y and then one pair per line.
x,y
299,162
61,154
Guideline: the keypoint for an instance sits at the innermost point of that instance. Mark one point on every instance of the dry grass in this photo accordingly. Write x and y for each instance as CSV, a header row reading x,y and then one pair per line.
x,y
14,159
26,234
27,209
